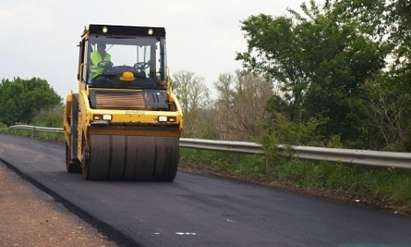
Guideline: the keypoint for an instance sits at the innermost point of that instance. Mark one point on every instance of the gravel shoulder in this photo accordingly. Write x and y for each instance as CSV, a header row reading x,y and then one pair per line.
x,y
30,217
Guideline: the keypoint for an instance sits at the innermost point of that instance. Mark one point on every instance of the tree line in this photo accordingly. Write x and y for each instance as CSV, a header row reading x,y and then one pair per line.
x,y
337,74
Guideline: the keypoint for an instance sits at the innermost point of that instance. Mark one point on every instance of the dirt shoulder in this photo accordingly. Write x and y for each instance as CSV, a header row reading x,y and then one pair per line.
x,y
29,217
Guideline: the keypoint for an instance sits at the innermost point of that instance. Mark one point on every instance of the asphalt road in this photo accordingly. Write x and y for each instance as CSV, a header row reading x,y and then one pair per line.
x,y
203,211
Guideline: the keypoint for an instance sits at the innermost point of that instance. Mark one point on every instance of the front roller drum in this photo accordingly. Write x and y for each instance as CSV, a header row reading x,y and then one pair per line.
x,y
116,157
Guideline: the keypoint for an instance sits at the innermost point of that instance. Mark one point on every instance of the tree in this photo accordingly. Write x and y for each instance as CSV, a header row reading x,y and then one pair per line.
x,y
193,96
21,99
191,91
241,104
321,58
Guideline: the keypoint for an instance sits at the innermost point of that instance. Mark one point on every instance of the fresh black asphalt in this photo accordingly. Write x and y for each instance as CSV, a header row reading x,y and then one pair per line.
x,y
204,211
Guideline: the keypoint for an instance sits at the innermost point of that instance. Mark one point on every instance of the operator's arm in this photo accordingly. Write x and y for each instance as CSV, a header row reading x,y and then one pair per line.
x,y
95,69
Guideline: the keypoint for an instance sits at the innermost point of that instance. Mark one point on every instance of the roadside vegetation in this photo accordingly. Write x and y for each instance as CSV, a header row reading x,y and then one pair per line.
x,y
376,187
30,101
336,74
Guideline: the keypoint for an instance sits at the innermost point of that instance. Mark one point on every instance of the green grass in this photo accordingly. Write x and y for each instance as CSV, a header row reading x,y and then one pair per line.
x,y
385,186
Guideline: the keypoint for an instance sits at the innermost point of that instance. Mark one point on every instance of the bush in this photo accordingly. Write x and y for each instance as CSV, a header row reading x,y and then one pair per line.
x,y
51,117
280,130
21,99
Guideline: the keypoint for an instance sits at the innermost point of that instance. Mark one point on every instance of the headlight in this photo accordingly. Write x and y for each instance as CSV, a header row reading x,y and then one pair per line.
x,y
107,117
162,118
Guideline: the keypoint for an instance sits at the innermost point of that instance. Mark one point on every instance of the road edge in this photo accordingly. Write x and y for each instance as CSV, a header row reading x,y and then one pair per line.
x,y
108,230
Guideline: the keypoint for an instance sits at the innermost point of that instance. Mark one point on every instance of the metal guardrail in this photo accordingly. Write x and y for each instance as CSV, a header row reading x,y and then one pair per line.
x,y
227,146
353,156
37,128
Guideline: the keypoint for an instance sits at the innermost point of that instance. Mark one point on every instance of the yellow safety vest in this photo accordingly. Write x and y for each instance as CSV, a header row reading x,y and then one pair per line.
x,y
97,63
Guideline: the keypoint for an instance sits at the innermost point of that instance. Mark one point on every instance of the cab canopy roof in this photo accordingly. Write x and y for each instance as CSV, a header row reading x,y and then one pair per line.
x,y
125,30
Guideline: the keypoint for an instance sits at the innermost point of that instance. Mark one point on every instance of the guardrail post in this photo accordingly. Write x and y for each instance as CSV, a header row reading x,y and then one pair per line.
x,y
33,133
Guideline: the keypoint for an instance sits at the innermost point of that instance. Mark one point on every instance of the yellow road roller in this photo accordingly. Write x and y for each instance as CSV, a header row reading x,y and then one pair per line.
x,y
125,122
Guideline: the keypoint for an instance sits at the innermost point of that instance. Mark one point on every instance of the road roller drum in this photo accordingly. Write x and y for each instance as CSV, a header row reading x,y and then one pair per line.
x,y
117,157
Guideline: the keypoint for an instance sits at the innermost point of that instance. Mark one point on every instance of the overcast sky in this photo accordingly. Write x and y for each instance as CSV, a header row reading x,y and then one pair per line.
x,y
39,37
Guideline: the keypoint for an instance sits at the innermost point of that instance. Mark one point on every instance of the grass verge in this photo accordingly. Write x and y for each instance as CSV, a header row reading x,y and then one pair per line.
x,y
372,186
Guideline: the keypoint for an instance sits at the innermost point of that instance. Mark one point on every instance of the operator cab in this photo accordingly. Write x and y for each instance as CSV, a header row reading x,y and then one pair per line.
x,y
124,67
136,57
